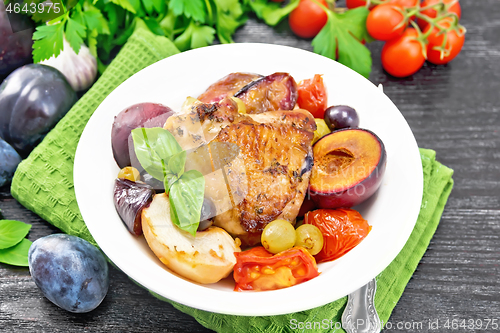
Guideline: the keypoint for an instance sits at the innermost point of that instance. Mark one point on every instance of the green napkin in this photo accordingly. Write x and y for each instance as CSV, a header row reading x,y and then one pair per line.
x,y
43,183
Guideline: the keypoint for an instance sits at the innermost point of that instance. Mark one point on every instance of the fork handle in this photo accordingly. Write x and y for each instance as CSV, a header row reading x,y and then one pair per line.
x,y
360,315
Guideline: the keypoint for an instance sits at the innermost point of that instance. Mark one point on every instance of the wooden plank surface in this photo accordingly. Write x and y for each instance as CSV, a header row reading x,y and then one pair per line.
x,y
453,109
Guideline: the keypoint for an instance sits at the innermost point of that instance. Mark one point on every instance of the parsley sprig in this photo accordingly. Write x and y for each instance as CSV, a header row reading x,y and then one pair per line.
x,y
341,39
105,25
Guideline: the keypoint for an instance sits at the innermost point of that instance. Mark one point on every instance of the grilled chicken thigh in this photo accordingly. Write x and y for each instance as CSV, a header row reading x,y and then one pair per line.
x,y
266,162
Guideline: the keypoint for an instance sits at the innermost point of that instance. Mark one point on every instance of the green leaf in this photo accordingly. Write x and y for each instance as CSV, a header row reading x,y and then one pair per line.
x,y
136,4
186,199
148,5
48,41
112,17
125,34
154,147
16,255
195,36
12,232
75,32
176,163
229,18
272,12
77,15
92,42
190,8
340,40
154,26
159,6
95,20
125,4
168,24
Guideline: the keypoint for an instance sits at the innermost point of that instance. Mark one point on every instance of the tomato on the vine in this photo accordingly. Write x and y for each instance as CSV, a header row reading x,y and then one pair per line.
x,y
312,96
432,13
454,42
405,3
455,8
386,22
355,3
308,18
403,56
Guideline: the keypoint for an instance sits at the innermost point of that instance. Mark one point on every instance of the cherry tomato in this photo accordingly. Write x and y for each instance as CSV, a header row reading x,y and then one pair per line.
x,y
342,230
432,13
386,22
312,96
361,3
257,269
454,43
403,56
405,3
308,18
356,3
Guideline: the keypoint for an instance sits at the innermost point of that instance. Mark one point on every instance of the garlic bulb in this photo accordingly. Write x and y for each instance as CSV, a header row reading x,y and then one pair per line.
x,y
79,69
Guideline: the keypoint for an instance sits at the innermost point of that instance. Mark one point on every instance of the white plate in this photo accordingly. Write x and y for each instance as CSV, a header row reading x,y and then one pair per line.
x,y
392,211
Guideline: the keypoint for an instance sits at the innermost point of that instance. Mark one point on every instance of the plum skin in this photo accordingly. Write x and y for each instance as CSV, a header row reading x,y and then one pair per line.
x,y
16,40
33,98
9,159
130,198
138,115
70,272
350,196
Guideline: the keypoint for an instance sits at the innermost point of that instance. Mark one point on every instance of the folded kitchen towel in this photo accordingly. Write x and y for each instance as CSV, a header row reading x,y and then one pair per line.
x,y
43,183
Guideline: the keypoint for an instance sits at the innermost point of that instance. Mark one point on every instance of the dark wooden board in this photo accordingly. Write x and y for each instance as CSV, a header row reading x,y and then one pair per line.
x,y
454,109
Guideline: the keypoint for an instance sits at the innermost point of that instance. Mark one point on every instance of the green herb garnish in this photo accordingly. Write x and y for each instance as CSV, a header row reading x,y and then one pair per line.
x,y
340,39
163,158
271,12
13,246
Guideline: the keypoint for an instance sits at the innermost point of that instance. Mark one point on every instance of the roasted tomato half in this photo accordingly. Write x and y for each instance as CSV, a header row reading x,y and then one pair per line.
x,y
257,269
312,96
342,230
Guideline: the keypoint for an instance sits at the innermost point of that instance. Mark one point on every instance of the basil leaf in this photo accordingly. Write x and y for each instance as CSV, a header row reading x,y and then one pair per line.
x,y
176,163
173,213
186,199
12,232
16,255
169,180
154,147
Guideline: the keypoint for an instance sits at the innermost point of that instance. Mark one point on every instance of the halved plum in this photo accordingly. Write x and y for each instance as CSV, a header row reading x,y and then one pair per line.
x,y
227,86
139,115
349,165
130,198
274,92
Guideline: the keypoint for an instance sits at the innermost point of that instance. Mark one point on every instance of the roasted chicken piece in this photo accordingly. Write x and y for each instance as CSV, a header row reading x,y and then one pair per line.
x,y
268,175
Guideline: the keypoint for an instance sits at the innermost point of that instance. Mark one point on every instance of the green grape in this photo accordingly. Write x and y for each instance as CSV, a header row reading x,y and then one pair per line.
x,y
310,238
277,236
